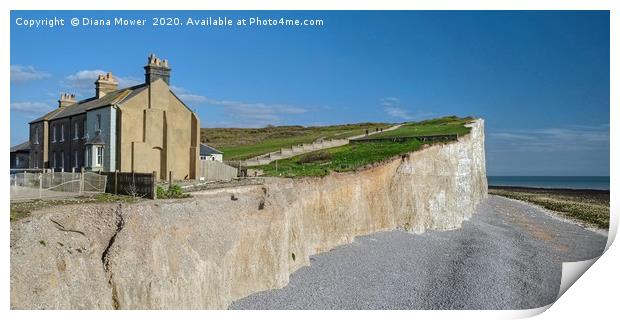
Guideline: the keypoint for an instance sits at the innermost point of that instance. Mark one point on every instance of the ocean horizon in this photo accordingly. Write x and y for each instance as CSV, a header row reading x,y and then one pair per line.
x,y
562,182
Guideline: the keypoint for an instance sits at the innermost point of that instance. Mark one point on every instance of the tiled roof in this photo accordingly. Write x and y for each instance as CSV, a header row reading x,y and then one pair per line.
x,y
109,99
24,146
206,150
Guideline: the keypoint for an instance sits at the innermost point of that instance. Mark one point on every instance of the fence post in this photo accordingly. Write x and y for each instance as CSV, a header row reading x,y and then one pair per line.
x,y
169,180
81,181
115,181
154,185
40,185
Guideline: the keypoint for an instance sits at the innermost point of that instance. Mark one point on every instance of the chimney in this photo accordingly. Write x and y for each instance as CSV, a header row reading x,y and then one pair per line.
x,y
105,84
66,99
156,69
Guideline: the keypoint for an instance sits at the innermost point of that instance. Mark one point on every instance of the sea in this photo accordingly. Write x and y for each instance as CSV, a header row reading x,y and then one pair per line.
x,y
558,182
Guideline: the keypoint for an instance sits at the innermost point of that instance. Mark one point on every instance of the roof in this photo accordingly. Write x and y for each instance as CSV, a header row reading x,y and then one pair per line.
x,y
96,140
206,150
23,147
109,99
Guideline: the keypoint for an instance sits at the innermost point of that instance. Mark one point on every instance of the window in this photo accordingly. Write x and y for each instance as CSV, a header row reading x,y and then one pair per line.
x,y
62,159
54,134
76,164
36,159
98,124
62,132
75,130
99,156
86,158
54,159
84,129
36,135
17,162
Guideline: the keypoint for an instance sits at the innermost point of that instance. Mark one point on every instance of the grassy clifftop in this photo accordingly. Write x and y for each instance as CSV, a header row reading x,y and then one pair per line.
x,y
244,143
352,156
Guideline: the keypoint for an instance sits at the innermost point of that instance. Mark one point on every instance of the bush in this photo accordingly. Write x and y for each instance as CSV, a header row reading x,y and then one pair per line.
x,y
174,192
315,157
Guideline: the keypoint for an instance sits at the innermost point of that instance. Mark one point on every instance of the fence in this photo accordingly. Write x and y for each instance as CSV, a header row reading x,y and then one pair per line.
x,y
427,138
28,185
215,170
132,183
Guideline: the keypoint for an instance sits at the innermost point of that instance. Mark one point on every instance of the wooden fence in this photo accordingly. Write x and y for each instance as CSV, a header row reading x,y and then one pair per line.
x,y
217,171
132,183
427,138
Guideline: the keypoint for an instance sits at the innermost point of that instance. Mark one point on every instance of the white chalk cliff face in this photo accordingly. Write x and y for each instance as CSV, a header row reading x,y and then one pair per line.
x,y
207,251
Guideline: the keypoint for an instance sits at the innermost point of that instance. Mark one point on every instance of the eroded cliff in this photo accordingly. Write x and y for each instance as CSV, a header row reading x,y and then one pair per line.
x,y
207,251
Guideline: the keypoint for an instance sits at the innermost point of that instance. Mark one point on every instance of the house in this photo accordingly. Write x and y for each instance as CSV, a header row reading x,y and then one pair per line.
x,y
20,155
209,153
143,128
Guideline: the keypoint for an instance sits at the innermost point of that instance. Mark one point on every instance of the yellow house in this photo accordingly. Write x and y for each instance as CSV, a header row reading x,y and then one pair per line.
x,y
143,128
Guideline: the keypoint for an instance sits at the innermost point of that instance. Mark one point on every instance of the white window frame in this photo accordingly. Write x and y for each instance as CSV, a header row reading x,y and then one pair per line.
x,y
98,122
36,160
36,135
84,130
62,159
55,160
76,163
62,132
99,156
54,133
76,128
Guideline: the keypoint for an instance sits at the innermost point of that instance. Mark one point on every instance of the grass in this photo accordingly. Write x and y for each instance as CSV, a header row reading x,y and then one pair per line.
x,y
22,209
445,125
350,157
173,192
341,159
591,207
242,143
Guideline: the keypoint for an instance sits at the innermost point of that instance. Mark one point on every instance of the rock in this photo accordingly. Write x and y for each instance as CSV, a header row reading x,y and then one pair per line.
x,y
207,251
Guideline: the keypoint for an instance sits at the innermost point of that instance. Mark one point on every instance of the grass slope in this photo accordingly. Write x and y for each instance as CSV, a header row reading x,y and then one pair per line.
x,y
445,125
352,156
242,143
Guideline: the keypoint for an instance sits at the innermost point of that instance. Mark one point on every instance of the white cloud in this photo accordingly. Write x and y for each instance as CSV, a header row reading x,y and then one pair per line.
x,y
246,114
83,81
256,114
21,73
568,138
31,107
393,107
187,97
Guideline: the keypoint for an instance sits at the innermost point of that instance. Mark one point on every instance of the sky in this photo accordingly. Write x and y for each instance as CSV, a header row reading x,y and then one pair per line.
x,y
540,79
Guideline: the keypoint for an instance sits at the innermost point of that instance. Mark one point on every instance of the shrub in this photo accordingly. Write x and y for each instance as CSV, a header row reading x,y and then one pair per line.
x,y
315,157
173,192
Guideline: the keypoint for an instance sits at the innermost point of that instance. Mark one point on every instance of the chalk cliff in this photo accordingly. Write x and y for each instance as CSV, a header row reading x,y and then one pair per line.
x,y
207,251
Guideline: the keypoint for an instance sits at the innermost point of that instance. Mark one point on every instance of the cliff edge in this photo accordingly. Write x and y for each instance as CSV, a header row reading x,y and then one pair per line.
x,y
209,250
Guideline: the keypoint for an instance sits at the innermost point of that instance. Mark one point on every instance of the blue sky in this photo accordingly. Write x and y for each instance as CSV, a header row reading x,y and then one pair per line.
x,y
539,79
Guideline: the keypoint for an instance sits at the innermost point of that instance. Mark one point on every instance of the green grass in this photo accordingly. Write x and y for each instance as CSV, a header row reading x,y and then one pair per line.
x,y
590,208
341,159
353,156
22,209
241,143
439,126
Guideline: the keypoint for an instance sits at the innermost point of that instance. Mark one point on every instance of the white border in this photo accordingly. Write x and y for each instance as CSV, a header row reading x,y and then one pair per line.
x,y
595,294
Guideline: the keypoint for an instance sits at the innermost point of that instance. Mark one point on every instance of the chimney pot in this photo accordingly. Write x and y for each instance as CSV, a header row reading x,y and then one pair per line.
x,y
66,99
156,69
105,84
